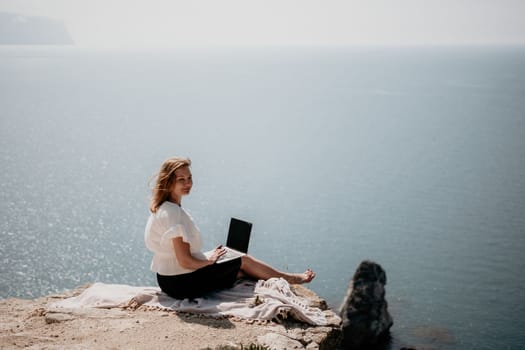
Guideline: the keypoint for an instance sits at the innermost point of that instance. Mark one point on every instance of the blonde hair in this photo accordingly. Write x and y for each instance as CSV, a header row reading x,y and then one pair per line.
x,y
164,181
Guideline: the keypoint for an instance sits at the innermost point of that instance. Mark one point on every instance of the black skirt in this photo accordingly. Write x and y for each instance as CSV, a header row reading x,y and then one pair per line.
x,y
202,281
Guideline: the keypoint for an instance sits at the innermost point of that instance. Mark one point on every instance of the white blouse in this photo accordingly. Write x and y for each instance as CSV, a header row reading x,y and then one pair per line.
x,y
168,222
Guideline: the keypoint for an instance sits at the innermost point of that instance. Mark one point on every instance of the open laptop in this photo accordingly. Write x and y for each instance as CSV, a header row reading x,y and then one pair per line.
x,y
237,242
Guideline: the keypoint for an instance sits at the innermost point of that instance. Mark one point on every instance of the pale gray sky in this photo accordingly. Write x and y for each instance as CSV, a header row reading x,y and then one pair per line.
x,y
169,23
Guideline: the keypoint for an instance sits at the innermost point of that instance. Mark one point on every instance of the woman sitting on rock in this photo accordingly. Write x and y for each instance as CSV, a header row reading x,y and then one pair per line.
x,y
183,271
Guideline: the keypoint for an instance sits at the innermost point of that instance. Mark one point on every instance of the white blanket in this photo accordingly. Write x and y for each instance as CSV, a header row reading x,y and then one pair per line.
x,y
262,301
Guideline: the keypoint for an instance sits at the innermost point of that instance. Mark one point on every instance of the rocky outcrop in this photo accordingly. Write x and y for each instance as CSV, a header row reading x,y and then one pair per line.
x,y
364,312
31,323
364,321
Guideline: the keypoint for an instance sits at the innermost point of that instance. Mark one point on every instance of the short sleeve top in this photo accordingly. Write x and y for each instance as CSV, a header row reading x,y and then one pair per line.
x,y
168,222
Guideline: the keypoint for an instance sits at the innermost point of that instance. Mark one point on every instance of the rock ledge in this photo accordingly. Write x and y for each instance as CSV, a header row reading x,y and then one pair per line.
x,y
27,324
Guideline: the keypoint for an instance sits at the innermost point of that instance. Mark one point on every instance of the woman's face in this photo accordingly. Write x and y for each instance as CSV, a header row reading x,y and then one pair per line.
x,y
182,185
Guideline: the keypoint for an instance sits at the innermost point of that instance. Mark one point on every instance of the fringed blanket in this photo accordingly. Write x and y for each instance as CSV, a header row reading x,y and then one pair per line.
x,y
248,300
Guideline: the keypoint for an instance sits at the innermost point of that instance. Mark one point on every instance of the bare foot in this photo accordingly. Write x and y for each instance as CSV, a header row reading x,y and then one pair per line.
x,y
300,278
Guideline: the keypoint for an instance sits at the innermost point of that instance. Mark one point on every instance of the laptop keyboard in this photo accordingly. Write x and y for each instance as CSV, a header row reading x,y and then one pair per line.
x,y
230,254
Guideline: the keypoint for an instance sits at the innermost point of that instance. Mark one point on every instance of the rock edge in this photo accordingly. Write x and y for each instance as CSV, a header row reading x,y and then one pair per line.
x,y
28,324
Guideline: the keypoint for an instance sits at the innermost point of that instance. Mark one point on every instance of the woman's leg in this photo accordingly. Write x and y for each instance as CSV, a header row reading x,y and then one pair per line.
x,y
260,270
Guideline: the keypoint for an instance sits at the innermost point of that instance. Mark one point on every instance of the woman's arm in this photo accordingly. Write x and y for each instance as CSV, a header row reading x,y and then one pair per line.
x,y
187,261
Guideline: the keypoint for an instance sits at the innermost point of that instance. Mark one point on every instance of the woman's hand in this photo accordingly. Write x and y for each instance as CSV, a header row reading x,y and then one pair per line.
x,y
217,253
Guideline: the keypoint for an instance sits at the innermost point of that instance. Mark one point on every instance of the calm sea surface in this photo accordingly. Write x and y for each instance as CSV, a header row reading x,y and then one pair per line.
x,y
413,158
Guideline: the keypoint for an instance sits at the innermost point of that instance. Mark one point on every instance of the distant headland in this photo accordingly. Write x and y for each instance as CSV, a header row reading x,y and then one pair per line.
x,y
16,29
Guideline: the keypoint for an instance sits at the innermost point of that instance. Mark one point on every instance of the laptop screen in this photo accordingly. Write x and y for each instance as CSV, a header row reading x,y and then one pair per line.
x,y
239,235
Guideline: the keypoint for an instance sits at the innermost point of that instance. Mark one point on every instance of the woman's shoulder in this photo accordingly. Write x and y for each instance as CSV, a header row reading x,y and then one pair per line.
x,y
168,208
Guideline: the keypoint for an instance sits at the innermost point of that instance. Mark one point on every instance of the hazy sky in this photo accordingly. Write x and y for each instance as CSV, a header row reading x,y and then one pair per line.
x,y
169,23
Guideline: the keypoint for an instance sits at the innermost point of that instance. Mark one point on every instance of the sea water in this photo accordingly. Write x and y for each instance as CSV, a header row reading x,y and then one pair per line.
x,y
410,157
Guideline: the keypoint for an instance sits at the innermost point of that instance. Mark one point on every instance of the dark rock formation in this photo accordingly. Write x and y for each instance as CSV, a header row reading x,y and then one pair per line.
x,y
366,321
